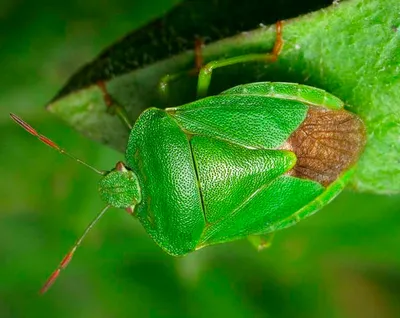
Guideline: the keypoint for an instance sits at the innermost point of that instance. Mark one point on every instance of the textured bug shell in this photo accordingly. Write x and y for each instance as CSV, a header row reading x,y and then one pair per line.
x,y
255,159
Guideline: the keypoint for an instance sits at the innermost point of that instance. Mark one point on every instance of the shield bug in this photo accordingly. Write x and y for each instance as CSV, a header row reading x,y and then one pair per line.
x,y
252,160
255,159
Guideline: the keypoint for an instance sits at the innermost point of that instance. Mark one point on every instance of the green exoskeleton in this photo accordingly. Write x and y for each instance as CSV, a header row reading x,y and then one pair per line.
x,y
252,160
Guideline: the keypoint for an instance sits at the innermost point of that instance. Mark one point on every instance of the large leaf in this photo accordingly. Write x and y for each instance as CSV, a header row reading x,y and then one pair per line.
x,y
351,49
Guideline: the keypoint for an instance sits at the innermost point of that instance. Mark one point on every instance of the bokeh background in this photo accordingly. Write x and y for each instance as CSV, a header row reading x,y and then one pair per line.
x,y
342,262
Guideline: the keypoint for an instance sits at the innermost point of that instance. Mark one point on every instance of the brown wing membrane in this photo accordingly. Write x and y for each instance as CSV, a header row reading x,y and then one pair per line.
x,y
326,143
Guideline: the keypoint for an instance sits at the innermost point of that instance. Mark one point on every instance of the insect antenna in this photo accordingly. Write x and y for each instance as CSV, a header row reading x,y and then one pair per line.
x,y
51,143
67,258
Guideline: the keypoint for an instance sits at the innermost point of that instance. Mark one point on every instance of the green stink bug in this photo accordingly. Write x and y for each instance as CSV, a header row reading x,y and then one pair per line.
x,y
252,160
255,159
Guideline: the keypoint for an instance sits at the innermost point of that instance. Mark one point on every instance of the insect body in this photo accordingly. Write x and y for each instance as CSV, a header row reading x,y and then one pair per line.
x,y
255,159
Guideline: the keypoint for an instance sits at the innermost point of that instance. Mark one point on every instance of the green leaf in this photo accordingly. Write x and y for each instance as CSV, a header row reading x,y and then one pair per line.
x,y
351,49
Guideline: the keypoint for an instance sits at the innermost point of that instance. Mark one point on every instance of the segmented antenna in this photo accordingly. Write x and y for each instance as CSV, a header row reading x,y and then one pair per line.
x,y
50,143
67,258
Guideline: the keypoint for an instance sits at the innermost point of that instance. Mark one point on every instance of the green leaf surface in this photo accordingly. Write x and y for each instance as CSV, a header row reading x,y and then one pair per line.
x,y
351,49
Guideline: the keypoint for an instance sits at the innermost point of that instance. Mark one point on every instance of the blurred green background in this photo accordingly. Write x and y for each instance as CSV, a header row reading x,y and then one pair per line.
x,y
342,262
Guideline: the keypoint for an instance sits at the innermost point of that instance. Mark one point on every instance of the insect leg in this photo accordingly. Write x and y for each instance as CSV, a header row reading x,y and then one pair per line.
x,y
166,80
261,241
113,107
205,73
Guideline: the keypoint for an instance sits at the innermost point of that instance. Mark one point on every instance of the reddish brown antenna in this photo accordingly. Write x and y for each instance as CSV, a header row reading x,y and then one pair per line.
x,y
49,142
67,258
52,144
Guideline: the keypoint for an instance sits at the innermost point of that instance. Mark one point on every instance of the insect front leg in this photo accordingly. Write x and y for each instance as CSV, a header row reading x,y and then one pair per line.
x,y
163,85
113,107
205,73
